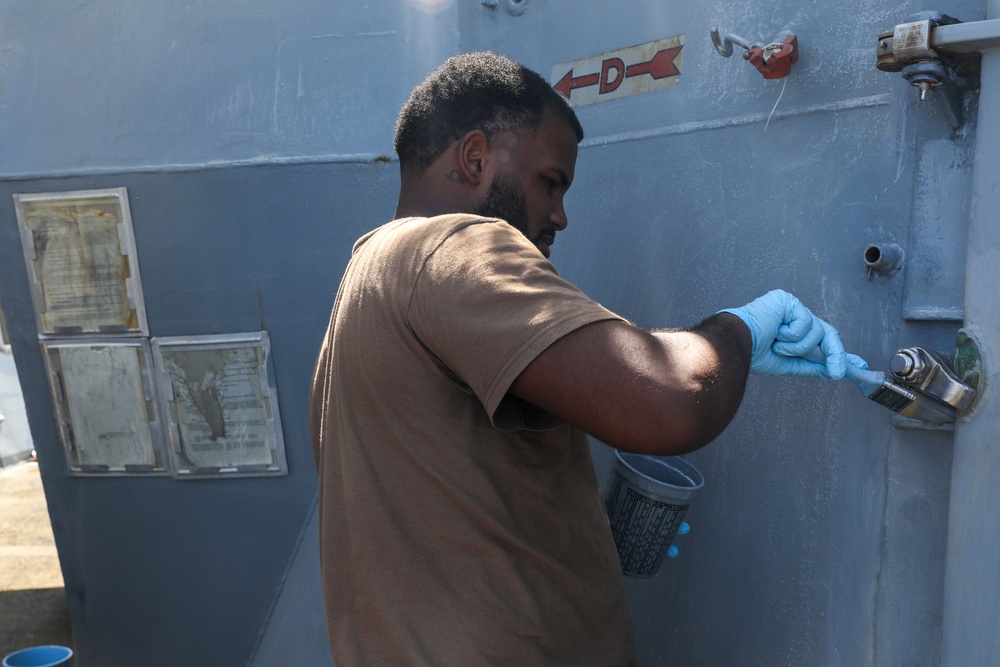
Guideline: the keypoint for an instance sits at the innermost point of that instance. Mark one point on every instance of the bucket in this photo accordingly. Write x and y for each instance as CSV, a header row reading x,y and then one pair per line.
x,y
647,497
39,656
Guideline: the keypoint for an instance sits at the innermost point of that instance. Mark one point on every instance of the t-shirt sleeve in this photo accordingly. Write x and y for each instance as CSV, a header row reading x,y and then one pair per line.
x,y
486,303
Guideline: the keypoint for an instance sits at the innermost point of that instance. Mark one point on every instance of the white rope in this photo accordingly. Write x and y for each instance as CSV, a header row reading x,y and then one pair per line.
x,y
776,104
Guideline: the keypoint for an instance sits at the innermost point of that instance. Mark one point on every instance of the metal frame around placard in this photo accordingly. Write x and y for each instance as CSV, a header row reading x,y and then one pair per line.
x,y
181,458
72,433
126,243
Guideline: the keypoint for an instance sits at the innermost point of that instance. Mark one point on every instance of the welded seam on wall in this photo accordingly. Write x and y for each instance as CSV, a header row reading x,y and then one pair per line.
x,y
376,158
294,160
883,537
736,121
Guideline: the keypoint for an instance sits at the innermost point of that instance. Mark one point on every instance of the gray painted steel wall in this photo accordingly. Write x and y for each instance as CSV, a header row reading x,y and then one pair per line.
x,y
249,136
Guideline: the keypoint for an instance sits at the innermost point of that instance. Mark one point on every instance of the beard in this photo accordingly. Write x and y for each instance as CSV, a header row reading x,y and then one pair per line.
x,y
506,200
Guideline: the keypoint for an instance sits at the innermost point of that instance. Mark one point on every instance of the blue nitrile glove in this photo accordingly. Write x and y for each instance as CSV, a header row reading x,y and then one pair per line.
x,y
783,332
857,369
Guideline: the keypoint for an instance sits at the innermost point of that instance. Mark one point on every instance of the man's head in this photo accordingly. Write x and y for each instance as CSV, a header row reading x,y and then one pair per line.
x,y
473,91
483,134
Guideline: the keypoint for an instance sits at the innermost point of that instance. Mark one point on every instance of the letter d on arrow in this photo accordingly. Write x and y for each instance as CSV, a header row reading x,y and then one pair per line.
x,y
616,64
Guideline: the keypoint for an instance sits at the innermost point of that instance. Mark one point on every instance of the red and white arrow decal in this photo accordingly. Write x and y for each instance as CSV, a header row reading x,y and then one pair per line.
x,y
620,73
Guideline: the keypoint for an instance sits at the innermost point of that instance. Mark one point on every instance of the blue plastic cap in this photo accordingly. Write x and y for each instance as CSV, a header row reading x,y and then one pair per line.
x,y
39,656
684,528
673,551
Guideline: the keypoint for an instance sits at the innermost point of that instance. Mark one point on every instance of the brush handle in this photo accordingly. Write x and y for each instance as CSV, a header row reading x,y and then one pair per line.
x,y
867,381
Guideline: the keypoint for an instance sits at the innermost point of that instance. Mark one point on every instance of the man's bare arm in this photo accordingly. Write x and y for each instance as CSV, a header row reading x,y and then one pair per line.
x,y
665,392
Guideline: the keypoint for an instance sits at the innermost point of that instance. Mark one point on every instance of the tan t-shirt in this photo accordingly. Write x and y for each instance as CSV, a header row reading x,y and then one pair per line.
x,y
459,525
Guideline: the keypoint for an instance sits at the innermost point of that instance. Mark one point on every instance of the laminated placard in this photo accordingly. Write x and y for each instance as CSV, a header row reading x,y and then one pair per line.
x,y
80,254
105,405
220,405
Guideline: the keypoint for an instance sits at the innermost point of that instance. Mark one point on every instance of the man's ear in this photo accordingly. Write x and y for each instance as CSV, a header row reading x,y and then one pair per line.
x,y
473,152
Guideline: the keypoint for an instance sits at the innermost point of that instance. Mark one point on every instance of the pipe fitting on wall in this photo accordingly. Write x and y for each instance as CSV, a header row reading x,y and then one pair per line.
x,y
885,259
932,58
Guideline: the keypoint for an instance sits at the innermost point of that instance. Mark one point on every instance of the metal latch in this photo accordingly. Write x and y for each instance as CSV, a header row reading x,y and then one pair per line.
x,y
923,388
931,372
926,387
937,52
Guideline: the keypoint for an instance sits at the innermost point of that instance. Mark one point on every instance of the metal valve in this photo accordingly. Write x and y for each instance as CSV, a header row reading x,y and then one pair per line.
x,y
773,61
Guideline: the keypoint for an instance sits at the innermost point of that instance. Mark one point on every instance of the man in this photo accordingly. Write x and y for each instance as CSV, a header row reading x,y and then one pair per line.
x,y
461,522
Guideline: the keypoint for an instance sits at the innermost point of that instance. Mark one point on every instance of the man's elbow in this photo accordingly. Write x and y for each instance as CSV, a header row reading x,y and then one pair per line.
x,y
678,426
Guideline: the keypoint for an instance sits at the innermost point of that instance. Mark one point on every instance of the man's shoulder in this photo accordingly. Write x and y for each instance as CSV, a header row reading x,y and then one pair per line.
x,y
428,232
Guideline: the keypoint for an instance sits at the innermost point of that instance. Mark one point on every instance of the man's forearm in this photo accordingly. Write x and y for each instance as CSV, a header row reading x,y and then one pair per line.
x,y
668,392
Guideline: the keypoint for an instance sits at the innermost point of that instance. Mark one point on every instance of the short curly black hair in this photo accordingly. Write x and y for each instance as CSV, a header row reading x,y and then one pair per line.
x,y
473,91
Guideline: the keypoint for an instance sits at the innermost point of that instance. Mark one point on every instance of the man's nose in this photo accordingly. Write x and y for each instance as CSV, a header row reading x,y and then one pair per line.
x,y
558,218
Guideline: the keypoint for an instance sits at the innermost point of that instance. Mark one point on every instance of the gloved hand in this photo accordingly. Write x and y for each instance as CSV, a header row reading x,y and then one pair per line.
x,y
783,332
856,362
857,369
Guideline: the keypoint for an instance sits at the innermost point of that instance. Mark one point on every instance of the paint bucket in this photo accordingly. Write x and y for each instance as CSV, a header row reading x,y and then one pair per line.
x,y
39,656
647,497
